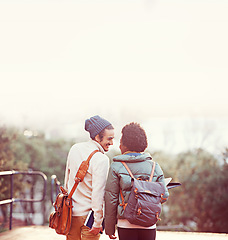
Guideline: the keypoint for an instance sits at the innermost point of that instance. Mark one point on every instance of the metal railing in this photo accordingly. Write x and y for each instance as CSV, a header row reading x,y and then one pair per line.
x,y
12,199
55,184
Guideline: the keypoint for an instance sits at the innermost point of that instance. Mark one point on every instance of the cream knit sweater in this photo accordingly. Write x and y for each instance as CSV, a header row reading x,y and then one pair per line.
x,y
89,193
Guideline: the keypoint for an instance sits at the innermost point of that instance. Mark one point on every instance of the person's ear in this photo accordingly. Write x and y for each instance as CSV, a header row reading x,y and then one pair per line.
x,y
97,138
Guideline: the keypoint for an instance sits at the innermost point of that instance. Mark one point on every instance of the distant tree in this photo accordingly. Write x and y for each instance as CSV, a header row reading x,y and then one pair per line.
x,y
19,151
201,200
47,156
56,152
9,162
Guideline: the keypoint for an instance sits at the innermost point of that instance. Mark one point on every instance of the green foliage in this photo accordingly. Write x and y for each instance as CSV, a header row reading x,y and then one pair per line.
x,y
20,152
200,202
40,154
56,155
9,162
202,198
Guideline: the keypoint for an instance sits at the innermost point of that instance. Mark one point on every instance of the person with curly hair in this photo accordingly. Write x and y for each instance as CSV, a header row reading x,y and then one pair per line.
x,y
132,145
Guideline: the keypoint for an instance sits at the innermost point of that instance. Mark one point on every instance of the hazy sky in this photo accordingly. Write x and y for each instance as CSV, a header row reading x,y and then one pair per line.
x,y
67,60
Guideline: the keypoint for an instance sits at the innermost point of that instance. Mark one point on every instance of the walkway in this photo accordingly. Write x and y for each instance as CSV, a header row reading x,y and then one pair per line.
x,y
45,233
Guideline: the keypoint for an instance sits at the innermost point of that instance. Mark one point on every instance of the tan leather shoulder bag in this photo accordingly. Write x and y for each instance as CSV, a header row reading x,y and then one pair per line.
x,y
60,219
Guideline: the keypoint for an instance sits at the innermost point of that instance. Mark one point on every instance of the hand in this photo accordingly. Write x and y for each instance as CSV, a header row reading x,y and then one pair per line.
x,y
112,236
95,231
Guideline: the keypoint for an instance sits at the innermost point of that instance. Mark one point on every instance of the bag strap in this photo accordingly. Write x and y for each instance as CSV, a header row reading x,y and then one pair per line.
x,y
132,176
129,171
81,173
152,172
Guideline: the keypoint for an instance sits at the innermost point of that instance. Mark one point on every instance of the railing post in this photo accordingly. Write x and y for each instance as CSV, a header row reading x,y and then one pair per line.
x,y
56,183
11,204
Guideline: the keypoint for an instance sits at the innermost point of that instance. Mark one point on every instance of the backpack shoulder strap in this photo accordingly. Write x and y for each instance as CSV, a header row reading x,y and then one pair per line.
x,y
128,169
81,173
152,172
123,204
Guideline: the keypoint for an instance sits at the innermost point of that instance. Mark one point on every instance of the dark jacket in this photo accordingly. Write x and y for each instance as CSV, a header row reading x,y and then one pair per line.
x,y
118,177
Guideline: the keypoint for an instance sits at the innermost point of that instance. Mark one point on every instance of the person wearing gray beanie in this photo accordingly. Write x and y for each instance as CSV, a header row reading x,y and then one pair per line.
x,y
95,125
89,194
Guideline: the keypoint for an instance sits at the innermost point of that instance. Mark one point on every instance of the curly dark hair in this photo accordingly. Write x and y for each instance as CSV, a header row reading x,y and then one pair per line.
x,y
134,137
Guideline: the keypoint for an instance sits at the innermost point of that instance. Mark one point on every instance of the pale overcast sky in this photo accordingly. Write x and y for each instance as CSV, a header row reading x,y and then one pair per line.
x,y
68,60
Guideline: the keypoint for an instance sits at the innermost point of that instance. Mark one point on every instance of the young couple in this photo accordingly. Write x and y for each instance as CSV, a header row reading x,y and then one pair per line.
x,y
104,183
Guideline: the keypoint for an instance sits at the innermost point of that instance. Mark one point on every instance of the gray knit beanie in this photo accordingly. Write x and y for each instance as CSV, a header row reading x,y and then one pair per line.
x,y
95,125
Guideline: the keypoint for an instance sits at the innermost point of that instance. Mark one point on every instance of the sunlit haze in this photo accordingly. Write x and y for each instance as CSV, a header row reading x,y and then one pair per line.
x,y
161,63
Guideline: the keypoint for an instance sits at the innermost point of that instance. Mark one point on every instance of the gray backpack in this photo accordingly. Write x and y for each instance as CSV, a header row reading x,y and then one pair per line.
x,y
144,204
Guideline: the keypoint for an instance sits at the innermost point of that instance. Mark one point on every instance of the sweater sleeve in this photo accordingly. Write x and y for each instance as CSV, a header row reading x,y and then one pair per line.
x,y
99,172
112,190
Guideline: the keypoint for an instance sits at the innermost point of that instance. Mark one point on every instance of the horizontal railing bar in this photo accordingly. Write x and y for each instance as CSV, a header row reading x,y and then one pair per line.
x,y
28,200
7,173
7,201
4,173
12,200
